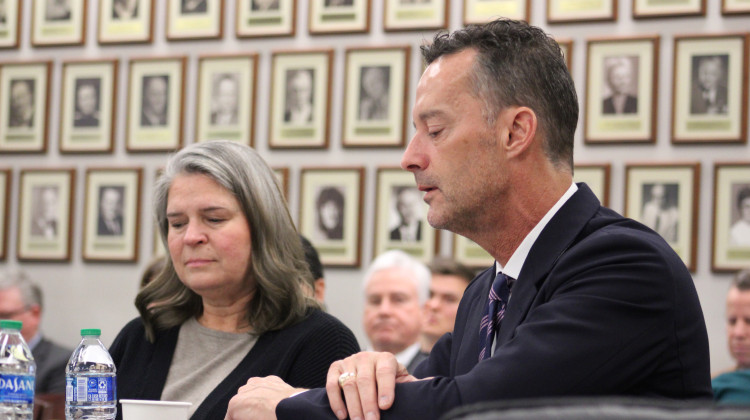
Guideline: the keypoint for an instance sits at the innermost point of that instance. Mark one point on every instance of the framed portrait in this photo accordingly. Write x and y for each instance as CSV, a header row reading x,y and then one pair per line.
x,y
483,11
339,16
330,213
87,117
375,97
468,253
194,19
735,7
414,15
10,30
58,22
24,106
664,197
155,104
709,98
226,98
111,216
621,86
300,99
263,18
282,176
126,21
576,11
673,8
566,46
730,249
5,175
596,176
45,214
401,216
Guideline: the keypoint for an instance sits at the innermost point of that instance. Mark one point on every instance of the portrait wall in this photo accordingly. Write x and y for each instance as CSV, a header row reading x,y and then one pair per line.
x,y
483,11
571,11
45,214
596,176
339,16
262,18
468,253
735,7
673,8
58,22
5,176
10,29
126,21
731,222
24,106
194,19
405,15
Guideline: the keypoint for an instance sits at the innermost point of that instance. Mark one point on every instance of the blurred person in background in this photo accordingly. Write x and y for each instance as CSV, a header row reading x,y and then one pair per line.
x,y
318,285
734,387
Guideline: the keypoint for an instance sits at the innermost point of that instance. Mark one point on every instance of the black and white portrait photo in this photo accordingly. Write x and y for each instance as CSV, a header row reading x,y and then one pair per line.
x,y
739,231
87,102
660,211
3,12
224,98
264,5
407,203
299,96
193,6
374,98
57,10
21,107
110,219
45,201
154,100
709,84
620,85
124,9
329,206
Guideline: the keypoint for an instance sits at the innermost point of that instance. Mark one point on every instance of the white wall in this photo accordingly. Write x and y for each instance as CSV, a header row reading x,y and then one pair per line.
x,y
100,295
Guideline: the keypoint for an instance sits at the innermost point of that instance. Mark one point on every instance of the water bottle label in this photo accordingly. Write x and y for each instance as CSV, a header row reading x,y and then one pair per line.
x,y
90,389
16,389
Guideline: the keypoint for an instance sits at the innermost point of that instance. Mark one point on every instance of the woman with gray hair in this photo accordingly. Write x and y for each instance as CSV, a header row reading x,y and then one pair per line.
x,y
229,305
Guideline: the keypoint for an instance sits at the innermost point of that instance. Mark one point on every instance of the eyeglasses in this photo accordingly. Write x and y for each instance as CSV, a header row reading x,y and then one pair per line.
x,y
13,314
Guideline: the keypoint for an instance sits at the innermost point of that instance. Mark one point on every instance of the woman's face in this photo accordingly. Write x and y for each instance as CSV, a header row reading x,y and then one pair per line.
x,y
208,238
329,215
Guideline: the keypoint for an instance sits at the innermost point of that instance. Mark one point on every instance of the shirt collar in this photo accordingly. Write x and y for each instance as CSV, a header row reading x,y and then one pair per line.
x,y
405,356
515,263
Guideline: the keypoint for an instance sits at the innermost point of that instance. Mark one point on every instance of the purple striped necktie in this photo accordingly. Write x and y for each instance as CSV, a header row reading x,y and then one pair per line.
x,y
493,314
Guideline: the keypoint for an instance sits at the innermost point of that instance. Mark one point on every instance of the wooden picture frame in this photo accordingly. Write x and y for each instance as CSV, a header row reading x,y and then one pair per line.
x,y
621,90
331,203
126,21
665,197
482,11
709,96
730,242
338,16
112,214
300,99
401,216
24,106
468,253
264,18
194,19
61,23
10,28
226,98
566,46
415,16
375,97
5,190
644,9
87,117
576,11
597,177
282,176
45,214
155,104
735,7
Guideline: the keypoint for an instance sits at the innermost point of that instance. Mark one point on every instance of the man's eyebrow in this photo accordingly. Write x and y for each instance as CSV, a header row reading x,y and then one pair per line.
x,y
428,114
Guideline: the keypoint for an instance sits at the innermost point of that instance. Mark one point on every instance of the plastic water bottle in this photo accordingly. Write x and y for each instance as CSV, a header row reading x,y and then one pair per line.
x,y
17,373
90,385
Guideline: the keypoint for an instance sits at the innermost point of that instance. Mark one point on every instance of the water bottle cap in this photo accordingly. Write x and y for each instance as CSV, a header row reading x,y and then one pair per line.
x,y
91,331
11,324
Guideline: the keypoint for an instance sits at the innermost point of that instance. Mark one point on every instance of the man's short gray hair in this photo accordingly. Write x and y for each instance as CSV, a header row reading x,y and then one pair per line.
x,y
399,259
31,294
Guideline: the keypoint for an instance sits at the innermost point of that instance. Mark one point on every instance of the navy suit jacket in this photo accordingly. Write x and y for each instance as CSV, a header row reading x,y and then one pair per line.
x,y
602,306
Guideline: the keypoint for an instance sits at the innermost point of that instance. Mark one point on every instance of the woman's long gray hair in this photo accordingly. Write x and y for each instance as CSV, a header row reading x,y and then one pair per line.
x,y
277,264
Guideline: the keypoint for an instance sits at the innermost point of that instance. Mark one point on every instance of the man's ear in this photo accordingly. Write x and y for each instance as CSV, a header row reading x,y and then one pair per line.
x,y
521,126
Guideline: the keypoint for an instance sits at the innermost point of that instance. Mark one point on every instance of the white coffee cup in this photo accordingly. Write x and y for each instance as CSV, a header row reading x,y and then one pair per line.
x,y
150,410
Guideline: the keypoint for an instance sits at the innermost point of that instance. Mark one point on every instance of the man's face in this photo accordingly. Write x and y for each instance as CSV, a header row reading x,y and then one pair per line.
x,y
12,307
226,95
440,309
300,89
110,203
619,78
408,205
87,99
49,203
709,71
373,81
745,209
156,94
738,326
21,97
456,157
392,317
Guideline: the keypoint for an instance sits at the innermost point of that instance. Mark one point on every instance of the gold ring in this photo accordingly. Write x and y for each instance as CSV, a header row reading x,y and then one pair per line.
x,y
345,376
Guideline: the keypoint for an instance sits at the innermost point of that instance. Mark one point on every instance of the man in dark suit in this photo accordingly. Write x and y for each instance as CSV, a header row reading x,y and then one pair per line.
x,y
580,301
21,300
